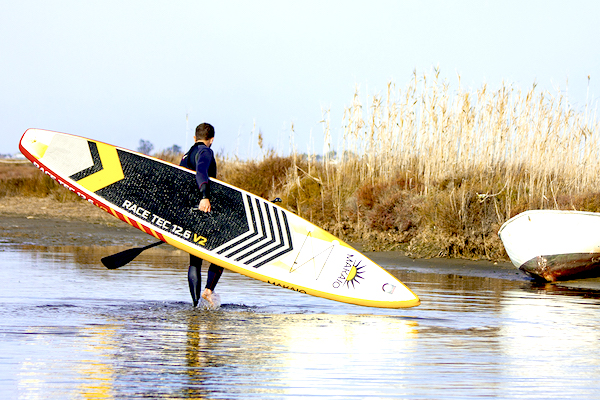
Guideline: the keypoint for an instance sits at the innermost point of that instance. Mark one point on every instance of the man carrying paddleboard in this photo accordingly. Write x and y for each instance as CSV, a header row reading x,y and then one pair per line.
x,y
200,158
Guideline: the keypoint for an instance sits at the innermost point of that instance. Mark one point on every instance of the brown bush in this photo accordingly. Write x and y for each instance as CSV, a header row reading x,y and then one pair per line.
x,y
27,180
265,178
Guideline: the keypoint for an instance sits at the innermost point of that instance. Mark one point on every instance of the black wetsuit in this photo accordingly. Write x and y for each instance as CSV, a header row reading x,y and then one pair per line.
x,y
200,158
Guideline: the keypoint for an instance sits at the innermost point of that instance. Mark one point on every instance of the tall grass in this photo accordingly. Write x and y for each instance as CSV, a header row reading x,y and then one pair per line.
x,y
530,144
435,170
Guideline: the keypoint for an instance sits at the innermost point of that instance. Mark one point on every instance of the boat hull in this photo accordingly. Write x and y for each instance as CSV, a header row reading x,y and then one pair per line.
x,y
562,266
552,244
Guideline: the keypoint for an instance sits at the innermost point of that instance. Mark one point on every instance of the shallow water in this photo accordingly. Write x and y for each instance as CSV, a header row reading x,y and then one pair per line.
x,y
71,329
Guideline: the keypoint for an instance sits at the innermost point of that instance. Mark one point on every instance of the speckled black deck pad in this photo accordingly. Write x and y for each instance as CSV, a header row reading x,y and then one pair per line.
x,y
240,226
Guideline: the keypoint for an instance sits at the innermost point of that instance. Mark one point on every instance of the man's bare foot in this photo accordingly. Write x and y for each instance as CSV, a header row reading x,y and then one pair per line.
x,y
207,295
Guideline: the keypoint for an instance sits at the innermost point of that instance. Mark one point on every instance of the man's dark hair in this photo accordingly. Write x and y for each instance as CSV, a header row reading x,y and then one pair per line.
x,y
205,131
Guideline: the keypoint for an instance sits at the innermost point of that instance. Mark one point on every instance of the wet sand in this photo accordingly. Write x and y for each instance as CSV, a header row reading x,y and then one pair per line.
x,y
49,231
46,222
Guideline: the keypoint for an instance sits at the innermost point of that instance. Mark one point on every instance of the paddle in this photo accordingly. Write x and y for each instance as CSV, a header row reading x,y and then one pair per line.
x,y
125,257
118,260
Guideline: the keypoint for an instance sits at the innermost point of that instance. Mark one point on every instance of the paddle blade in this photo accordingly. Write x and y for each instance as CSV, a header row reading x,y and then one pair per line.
x,y
115,261
118,260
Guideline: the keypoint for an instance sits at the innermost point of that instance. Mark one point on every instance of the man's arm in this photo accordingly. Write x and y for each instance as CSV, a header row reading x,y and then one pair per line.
x,y
202,163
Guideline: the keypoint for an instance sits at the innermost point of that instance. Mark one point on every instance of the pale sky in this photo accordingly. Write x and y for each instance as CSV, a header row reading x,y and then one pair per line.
x,y
121,71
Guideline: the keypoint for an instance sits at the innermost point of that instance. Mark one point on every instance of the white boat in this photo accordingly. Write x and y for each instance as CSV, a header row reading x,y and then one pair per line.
x,y
553,244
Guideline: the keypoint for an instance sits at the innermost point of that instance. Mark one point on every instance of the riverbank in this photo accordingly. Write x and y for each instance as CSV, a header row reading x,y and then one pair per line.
x,y
47,222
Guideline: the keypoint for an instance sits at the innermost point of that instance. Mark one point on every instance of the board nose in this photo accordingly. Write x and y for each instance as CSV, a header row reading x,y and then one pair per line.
x,y
36,142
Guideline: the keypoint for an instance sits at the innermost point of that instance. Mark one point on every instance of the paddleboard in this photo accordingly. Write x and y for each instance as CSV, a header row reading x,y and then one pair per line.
x,y
243,233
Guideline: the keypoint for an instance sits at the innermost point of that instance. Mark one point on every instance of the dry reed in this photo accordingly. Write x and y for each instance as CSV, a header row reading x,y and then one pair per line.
x,y
466,161
439,135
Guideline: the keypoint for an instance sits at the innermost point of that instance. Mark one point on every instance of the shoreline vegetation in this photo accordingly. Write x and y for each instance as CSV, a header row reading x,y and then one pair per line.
x,y
425,169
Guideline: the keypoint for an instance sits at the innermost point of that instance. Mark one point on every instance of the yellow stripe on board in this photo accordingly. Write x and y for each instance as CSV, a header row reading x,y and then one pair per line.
x,y
111,172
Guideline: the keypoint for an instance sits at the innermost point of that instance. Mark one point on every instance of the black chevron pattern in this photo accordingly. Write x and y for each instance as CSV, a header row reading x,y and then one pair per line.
x,y
94,168
268,238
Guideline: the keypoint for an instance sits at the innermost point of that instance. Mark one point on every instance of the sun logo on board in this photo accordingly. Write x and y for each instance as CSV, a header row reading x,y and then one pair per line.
x,y
354,275
351,273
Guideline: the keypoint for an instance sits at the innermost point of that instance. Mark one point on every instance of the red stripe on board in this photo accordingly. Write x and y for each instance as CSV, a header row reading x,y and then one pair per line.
x,y
118,215
134,223
147,230
129,221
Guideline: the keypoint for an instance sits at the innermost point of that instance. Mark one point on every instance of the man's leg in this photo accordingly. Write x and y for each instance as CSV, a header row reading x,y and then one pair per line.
x,y
214,273
194,278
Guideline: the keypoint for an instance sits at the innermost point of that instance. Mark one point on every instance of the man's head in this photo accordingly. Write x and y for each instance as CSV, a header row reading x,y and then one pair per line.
x,y
205,132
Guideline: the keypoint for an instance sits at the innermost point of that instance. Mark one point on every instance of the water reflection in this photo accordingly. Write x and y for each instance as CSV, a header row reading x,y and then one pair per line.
x,y
70,328
216,353
545,338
